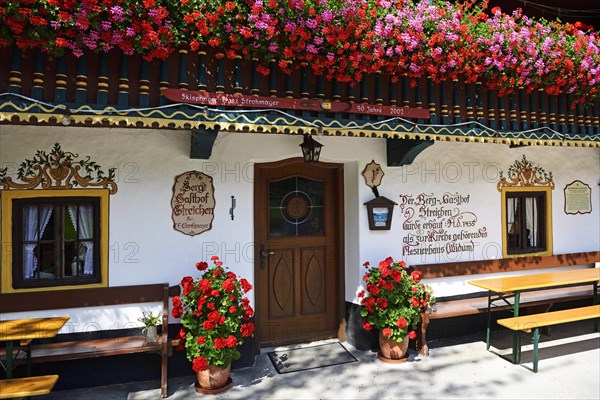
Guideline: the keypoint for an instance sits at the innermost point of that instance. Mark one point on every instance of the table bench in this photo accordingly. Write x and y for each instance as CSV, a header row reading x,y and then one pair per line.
x,y
25,387
534,322
98,347
477,303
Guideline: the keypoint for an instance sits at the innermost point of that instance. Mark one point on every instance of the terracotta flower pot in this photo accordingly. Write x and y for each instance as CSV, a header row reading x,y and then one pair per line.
x,y
213,380
393,352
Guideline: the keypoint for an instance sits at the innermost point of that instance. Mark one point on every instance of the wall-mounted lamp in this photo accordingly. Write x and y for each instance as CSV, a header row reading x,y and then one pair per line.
x,y
66,119
311,149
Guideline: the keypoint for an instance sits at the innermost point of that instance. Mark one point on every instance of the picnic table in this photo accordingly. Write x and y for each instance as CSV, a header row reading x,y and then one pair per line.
x,y
509,288
18,334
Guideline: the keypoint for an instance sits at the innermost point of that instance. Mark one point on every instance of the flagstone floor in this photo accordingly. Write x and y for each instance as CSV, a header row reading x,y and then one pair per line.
x,y
460,368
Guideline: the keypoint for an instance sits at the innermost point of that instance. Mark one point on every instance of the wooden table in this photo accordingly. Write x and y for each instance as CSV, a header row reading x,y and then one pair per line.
x,y
507,287
23,331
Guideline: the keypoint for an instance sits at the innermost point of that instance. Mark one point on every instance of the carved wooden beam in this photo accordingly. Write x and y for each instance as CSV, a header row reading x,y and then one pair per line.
x,y
404,151
203,140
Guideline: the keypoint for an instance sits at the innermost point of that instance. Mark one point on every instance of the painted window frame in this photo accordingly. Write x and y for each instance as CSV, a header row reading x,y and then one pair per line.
x,y
7,198
547,191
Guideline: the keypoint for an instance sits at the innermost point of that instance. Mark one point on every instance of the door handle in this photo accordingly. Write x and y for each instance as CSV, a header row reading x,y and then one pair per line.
x,y
264,254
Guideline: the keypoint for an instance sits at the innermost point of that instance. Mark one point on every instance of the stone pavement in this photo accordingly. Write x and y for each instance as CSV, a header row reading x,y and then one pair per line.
x,y
460,368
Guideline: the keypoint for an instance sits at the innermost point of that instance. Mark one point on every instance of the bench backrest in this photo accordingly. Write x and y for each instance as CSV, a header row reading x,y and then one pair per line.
x,y
95,297
507,264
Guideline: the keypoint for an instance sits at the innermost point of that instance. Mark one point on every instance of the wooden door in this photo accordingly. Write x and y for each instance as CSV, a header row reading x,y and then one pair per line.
x,y
298,211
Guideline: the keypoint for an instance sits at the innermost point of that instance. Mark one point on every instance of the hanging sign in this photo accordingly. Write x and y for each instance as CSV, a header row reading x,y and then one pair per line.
x,y
578,198
236,100
193,203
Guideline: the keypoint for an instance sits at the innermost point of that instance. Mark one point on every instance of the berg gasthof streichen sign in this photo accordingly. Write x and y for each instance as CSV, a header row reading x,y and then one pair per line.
x,y
193,203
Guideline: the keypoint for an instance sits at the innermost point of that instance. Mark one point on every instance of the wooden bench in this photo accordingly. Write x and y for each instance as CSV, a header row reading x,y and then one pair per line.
x,y
477,303
25,387
534,322
58,350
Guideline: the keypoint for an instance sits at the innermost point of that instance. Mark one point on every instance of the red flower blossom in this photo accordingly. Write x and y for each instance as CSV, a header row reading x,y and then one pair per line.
x,y
201,266
387,332
416,276
199,364
412,335
367,326
415,302
208,325
401,323
246,286
228,286
177,310
382,303
231,341
247,329
204,285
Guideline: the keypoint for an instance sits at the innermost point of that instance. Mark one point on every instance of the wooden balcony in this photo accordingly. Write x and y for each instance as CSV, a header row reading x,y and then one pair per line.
x,y
111,89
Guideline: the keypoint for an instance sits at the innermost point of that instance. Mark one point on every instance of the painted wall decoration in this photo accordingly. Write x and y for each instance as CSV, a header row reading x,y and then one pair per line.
x,y
525,173
193,203
439,224
59,169
578,198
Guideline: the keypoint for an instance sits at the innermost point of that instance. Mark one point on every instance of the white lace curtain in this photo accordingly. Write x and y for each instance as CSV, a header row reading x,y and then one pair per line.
x,y
510,215
531,213
83,222
531,219
36,219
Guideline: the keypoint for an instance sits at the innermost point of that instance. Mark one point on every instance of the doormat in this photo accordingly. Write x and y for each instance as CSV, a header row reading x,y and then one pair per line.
x,y
305,358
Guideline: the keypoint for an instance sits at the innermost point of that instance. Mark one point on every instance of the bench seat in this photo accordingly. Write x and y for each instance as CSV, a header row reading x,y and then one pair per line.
x,y
478,305
74,350
24,387
527,323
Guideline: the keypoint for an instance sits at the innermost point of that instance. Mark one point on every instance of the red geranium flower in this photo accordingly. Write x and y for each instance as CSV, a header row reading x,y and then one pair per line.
x,y
401,323
394,299
201,266
247,329
215,315
199,364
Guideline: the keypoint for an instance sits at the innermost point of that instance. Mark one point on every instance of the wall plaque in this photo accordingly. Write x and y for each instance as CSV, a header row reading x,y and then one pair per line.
x,y
578,198
193,203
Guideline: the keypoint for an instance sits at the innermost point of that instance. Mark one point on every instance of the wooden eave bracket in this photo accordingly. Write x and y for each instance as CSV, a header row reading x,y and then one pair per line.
x,y
404,151
202,143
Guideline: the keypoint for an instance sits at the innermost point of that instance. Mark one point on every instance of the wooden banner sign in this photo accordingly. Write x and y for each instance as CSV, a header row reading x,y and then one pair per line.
x,y
236,100
193,203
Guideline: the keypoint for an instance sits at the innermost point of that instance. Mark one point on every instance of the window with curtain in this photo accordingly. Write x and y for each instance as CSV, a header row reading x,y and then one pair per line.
x,y
56,241
525,222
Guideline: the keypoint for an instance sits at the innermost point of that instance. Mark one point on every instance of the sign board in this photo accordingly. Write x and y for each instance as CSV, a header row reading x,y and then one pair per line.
x,y
373,174
237,100
193,203
578,198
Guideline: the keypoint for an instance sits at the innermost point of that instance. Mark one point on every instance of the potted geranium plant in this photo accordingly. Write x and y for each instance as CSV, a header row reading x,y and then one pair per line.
x,y
394,301
215,315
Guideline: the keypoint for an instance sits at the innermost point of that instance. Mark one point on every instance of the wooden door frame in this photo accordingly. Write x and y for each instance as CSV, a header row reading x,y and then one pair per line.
x,y
339,239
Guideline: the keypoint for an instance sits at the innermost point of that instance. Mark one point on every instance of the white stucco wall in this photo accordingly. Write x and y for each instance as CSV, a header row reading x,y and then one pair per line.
x,y
144,247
